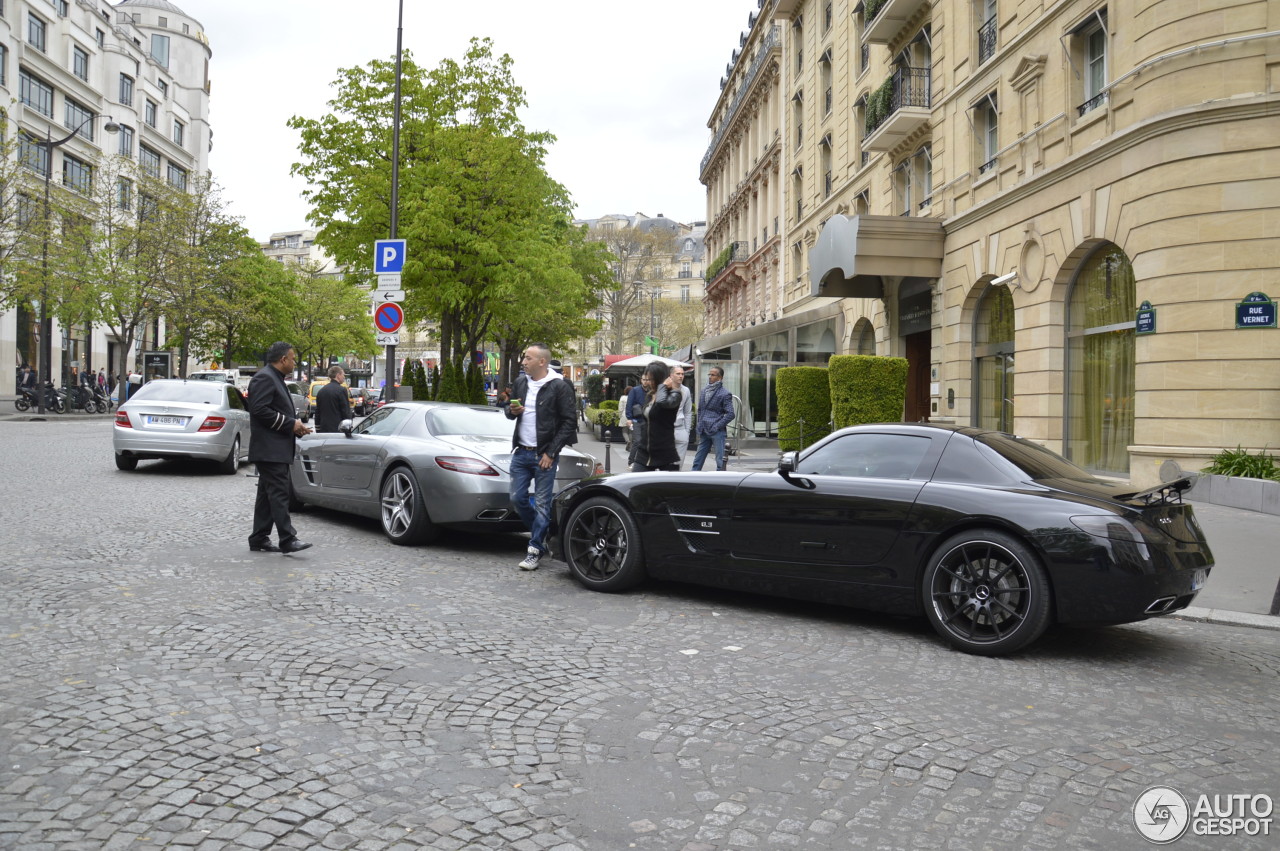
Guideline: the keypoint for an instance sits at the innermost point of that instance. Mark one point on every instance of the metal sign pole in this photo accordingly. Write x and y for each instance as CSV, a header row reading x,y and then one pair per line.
x,y
395,181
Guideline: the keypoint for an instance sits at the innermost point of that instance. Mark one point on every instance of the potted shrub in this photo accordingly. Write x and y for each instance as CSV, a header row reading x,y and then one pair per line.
x,y
1242,480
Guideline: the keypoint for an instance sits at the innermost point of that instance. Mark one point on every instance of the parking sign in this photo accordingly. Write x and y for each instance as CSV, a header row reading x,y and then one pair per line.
x,y
388,256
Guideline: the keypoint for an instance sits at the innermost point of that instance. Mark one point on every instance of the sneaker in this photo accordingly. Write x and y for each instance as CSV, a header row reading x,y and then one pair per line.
x,y
531,559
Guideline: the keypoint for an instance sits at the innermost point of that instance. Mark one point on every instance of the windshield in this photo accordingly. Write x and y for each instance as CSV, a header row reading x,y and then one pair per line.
x,y
1031,458
210,376
181,391
483,422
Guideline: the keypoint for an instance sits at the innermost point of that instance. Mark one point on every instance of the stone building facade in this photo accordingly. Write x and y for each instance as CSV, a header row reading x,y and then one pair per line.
x,y
143,64
1084,189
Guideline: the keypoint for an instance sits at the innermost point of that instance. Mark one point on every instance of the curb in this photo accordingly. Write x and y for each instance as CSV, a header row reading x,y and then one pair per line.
x,y
1228,618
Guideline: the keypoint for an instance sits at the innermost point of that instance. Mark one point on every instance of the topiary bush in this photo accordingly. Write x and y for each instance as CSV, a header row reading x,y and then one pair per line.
x,y
608,405
594,386
804,406
867,389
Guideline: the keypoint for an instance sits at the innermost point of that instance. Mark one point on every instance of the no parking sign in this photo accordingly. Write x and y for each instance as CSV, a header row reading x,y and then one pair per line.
x,y
388,317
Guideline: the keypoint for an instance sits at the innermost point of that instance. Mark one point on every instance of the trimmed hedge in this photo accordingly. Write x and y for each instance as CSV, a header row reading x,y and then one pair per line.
x,y
603,416
804,406
608,405
867,389
594,387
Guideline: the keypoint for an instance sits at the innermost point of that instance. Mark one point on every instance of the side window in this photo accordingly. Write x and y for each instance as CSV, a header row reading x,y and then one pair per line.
x,y
234,400
878,456
384,422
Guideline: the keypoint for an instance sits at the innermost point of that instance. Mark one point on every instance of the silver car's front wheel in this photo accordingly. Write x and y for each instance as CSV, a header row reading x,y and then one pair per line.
x,y
404,514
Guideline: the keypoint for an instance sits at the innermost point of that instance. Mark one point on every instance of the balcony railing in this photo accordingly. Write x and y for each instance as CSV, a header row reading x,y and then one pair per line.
x,y
987,40
1092,103
735,252
908,87
770,41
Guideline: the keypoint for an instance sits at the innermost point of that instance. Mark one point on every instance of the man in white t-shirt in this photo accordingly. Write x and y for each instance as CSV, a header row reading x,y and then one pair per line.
x,y
543,408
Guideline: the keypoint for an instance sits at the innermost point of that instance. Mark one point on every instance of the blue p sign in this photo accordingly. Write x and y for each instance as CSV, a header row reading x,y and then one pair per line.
x,y
388,256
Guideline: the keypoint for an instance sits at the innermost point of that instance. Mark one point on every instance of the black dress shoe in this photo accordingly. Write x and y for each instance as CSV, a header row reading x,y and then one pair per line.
x,y
293,546
264,547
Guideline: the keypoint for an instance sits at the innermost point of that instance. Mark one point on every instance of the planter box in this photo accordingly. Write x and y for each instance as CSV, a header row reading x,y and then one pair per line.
x,y
1262,495
615,434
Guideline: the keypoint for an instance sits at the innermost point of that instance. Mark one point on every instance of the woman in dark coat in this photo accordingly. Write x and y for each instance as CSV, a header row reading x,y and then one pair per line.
x,y
657,447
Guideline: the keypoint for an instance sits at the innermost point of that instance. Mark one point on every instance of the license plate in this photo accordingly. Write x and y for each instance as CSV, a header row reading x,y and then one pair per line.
x,y
167,421
1198,580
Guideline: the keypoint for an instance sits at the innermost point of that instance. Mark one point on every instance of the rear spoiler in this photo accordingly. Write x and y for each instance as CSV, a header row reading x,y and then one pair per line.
x,y
1161,494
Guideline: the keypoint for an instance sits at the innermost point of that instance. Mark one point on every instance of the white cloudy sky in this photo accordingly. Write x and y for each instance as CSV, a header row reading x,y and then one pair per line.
x,y
626,88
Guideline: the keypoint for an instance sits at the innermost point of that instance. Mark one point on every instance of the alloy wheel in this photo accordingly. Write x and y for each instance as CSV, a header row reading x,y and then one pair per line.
x,y
597,543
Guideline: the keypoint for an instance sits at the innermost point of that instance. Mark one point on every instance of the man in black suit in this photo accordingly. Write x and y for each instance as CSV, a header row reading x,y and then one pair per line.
x,y
333,404
273,437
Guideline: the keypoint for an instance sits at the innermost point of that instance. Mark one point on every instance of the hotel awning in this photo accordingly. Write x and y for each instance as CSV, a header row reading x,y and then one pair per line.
x,y
852,256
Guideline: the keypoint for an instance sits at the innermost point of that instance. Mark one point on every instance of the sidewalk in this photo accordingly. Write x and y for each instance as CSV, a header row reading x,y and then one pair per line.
x,y
1244,543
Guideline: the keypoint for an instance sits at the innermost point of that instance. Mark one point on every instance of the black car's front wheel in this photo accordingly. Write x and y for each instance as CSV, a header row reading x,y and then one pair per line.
x,y
602,545
404,513
985,592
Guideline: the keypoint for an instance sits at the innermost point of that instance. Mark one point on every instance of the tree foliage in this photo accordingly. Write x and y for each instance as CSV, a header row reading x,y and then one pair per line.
x,y
489,251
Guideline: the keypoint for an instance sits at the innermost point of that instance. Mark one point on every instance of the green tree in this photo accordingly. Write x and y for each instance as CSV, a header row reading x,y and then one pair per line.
x,y
326,316
21,225
488,244
250,305
115,249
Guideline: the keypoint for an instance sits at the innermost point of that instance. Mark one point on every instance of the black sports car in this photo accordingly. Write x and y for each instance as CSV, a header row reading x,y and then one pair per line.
x,y
990,536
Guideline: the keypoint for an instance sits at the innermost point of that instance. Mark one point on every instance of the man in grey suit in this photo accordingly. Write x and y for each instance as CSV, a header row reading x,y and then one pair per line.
x,y
273,438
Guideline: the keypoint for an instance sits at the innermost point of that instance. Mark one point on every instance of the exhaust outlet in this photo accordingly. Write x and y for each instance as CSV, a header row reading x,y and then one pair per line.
x,y
1161,604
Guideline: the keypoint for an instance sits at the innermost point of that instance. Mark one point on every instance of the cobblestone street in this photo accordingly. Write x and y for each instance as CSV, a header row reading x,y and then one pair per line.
x,y
163,687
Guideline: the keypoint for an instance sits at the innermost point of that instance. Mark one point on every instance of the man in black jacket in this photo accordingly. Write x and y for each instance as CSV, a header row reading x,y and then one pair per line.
x,y
273,437
333,404
542,406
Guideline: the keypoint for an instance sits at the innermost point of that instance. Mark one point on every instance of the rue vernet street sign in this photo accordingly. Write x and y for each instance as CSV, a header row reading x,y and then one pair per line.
x,y
1256,311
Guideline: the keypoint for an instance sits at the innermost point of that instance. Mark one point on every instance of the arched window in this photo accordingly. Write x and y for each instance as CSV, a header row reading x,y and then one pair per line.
x,y
864,338
993,360
1100,362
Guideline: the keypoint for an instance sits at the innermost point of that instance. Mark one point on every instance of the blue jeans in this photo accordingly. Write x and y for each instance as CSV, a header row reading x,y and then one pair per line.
x,y
534,513
705,442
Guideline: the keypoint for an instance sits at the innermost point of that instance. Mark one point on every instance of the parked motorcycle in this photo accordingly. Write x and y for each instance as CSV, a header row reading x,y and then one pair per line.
x,y
53,399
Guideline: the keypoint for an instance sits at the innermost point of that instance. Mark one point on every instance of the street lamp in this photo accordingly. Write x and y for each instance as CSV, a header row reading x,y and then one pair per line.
x,y
653,293
46,321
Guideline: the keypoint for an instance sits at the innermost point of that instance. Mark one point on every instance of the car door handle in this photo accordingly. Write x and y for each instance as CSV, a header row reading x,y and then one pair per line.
x,y
813,545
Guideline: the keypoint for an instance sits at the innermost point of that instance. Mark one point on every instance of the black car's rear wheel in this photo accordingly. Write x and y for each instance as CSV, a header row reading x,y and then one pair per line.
x,y
404,514
602,546
985,592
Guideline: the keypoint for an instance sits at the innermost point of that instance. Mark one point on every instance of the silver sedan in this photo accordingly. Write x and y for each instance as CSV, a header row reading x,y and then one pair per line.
x,y
178,418
421,466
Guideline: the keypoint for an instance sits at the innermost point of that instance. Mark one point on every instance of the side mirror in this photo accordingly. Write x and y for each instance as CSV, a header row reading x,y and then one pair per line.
x,y
787,465
345,427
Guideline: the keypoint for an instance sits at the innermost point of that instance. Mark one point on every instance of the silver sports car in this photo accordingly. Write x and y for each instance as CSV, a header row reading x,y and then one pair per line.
x,y
420,466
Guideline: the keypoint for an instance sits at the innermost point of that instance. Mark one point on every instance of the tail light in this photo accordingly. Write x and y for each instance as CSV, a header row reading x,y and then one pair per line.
x,y
474,466
213,424
122,420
